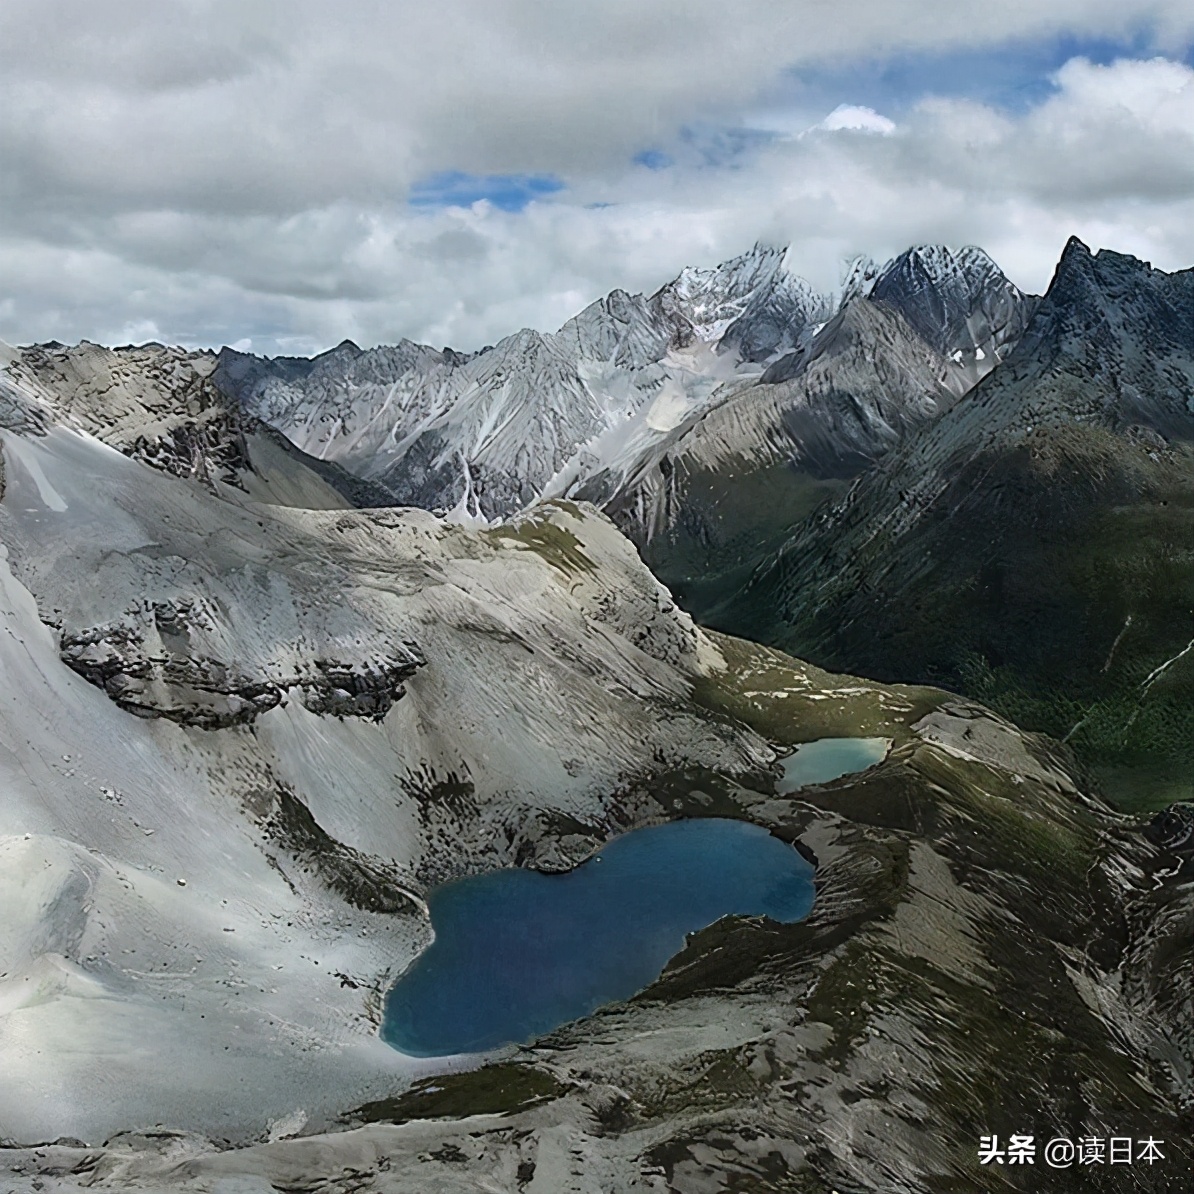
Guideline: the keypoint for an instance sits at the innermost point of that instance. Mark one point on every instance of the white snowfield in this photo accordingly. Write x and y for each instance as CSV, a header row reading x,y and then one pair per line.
x,y
172,946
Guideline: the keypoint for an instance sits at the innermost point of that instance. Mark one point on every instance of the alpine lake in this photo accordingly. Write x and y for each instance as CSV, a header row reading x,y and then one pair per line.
x,y
518,952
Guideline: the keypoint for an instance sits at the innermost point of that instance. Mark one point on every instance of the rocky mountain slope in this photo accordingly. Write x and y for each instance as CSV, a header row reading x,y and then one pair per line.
x,y
484,433
240,738
636,395
710,500
160,405
1031,546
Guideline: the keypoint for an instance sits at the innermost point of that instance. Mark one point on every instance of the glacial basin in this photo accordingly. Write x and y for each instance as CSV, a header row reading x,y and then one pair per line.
x,y
518,953
829,759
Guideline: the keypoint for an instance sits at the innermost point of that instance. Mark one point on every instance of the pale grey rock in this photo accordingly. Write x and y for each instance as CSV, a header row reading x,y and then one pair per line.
x,y
485,434
634,393
317,683
161,406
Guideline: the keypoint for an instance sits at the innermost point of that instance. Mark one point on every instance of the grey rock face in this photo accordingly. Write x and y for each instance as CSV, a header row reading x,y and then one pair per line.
x,y
486,433
597,409
155,665
776,320
707,501
957,302
153,403
1122,330
17,414
829,409
164,407
1173,829
1110,345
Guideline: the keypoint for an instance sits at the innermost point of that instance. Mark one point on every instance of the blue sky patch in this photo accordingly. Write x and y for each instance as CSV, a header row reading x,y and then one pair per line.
x,y
508,192
1013,76
653,159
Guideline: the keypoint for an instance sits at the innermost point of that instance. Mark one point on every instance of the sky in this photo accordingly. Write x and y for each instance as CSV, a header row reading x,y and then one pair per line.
x,y
283,174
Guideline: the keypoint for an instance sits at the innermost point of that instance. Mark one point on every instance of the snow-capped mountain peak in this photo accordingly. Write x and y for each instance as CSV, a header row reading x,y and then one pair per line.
x,y
492,428
541,413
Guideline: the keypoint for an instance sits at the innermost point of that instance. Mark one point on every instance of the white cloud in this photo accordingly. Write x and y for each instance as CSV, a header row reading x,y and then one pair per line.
x,y
142,331
226,170
857,118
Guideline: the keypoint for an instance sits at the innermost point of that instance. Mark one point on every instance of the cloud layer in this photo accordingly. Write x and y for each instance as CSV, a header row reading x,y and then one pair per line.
x,y
293,173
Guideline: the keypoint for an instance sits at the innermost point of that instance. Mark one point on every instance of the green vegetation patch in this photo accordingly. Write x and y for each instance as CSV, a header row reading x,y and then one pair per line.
x,y
547,539
1060,1056
867,884
491,1090
729,521
846,996
1145,788
1054,582
789,701
1024,827
716,1080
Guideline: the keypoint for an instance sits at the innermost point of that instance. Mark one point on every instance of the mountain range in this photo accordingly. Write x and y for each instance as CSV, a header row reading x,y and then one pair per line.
x,y
742,430
597,402
255,704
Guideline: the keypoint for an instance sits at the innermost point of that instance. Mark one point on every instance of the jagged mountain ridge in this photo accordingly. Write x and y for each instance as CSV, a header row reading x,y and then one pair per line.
x,y
842,399
708,501
958,302
546,414
160,405
485,432
1031,545
743,356
708,419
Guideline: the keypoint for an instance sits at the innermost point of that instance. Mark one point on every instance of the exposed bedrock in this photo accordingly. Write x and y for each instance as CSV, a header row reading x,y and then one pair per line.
x,y
136,668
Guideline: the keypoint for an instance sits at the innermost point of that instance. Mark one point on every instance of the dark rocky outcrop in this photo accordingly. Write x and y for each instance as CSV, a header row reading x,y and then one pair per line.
x,y
956,302
1173,828
159,674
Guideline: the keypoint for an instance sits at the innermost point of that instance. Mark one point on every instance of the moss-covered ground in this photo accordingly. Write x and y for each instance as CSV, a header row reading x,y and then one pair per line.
x,y
1054,583
554,543
491,1090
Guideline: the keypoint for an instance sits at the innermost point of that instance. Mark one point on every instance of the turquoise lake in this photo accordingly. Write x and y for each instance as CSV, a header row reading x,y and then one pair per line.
x,y
518,953
829,759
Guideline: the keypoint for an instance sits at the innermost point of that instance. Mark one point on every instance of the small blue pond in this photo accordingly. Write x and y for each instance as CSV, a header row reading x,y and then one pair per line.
x,y
830,758
517,953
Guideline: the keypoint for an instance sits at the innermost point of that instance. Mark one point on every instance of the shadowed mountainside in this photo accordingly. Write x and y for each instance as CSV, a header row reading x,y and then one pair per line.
x,y
1033,546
